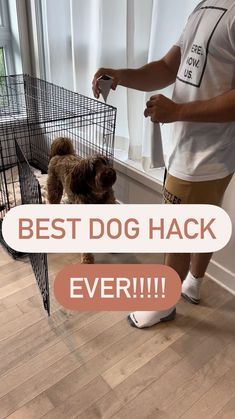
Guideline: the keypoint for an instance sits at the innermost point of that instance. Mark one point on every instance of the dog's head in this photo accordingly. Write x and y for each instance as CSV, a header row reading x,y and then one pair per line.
x,y
93,174
61,146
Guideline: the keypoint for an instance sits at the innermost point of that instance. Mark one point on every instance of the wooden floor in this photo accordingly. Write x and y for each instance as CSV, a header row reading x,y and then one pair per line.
x,y
93,365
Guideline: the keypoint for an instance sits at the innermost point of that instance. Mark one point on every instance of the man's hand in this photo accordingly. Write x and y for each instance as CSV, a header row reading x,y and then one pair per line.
x,y
161,109
114,74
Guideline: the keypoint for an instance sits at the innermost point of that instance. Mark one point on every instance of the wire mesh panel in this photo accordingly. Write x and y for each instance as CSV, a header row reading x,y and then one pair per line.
x,y
4,202
53,111
33,113
30,194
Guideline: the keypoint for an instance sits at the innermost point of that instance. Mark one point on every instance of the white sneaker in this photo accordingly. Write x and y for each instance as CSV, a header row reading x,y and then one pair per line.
x,y
142,319
191,289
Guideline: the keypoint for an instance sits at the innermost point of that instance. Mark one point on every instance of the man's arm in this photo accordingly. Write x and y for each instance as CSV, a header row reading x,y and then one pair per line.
x,y
218,109
152,76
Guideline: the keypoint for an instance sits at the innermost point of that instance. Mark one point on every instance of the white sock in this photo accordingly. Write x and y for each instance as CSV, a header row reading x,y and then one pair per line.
x,y
143,319
191,288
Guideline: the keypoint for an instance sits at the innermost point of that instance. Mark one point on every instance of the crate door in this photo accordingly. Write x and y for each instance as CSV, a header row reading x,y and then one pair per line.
x,y
31,194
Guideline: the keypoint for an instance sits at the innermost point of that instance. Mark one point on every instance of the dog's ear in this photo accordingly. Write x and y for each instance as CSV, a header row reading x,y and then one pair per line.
x,y
107,160
80,177
103,159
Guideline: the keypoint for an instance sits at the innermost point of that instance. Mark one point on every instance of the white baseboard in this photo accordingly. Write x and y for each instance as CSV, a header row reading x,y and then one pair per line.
x,y
221,276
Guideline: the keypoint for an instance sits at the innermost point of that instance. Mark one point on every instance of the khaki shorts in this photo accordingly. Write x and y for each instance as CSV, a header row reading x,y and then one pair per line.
x,y
178,191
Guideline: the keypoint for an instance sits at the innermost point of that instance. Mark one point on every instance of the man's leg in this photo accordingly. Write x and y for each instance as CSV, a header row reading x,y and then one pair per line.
x,y
192,284
199,263
192,267
177,191
208,192
180,262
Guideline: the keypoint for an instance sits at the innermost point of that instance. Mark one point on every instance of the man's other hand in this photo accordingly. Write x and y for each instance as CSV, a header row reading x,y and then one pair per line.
x,y
161,109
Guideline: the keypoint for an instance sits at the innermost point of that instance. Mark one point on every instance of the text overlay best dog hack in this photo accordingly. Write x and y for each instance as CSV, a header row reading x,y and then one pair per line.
x,y
117,228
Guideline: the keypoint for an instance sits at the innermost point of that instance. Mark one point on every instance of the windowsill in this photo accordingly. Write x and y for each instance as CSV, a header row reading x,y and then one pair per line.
x,y
13,120
156,174
133,169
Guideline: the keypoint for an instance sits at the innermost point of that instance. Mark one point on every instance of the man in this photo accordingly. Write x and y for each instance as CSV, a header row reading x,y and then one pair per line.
x,y
202,163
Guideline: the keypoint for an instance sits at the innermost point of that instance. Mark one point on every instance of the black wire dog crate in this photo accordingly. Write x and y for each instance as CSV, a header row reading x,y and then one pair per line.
x,y
33,113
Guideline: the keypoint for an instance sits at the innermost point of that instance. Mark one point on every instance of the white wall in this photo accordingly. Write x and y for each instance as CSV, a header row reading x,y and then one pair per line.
x,y
222,267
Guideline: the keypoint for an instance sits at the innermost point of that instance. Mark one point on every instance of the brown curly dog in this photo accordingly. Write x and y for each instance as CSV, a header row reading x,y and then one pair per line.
x,y
85,181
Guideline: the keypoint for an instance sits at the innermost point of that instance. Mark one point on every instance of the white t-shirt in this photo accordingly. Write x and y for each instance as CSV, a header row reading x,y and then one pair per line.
x,y
205,151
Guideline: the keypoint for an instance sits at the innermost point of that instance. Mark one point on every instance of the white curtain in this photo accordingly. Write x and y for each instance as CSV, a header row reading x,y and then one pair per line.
x,y
168,20
80,36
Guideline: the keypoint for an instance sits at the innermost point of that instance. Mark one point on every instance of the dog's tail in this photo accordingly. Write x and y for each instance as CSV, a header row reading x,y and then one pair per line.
x,y
61,146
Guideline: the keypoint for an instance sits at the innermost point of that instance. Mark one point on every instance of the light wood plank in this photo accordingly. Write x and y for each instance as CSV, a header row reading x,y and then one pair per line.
x,y
168,388
46,378
140,355
7,315
38,337
201,382
172,332
32,388
49,355
103,408
21,295
80,401
228,411
4,256
33,366
16,286
214,399
91,365
19,324
133,385
21,270
35,409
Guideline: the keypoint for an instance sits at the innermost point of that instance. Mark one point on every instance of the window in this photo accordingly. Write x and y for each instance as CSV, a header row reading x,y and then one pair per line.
x,y
2,63
6,50
121,34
